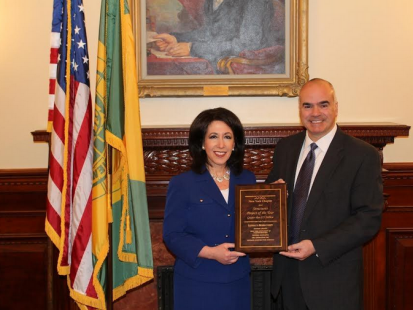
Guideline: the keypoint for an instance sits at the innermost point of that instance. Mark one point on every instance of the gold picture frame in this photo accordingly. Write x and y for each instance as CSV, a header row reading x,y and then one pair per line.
x,y
163,83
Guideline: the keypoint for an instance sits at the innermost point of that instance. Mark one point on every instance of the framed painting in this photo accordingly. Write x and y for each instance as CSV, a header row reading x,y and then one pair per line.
x,y
221,47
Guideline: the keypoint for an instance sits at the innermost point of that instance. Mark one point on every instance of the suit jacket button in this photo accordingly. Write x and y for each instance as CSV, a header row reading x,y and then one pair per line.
x,y
229,215
226,236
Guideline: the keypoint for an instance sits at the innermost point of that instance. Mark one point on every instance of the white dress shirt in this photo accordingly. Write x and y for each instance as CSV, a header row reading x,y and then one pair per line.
x,y
322,146
225,193
217,3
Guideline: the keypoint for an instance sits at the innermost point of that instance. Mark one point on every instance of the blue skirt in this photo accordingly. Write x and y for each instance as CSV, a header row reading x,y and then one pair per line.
x,y
190,294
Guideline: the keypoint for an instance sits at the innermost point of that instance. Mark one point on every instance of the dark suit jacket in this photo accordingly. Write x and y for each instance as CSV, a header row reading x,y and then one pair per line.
x,y
196,214
235,26
343,212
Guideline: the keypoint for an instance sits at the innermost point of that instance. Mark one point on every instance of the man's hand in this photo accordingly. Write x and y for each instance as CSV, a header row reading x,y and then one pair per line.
x,y
300,250
278,181
178,49
164,41
221,253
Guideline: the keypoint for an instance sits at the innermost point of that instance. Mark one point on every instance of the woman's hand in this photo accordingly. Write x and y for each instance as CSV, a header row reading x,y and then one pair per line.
x,y
221,253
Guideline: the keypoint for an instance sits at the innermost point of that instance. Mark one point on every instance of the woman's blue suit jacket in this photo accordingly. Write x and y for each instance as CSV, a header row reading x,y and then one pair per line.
x,y
196,215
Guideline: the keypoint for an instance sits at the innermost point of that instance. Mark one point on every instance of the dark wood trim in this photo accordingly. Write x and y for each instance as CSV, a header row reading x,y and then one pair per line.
x,y
399,258
398,184
377,252
16,179
166,154
35,180
166,151
398,167
374,133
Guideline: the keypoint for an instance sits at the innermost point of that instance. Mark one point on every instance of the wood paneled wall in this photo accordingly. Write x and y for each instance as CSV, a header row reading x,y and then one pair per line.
x,y
395,239
24,248
28,259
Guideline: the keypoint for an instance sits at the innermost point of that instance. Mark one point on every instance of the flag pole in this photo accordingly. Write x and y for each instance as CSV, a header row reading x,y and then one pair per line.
x,y
109,265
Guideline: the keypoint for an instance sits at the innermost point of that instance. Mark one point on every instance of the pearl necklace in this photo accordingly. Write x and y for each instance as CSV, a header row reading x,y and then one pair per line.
x,y
226,176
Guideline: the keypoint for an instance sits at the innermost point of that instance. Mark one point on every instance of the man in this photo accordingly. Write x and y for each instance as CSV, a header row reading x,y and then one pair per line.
x,y
230,26
323,267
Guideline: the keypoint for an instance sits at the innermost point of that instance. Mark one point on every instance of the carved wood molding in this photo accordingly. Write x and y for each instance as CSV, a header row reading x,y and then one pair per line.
x,y
166,150
23,239
398,170
380,133
18,179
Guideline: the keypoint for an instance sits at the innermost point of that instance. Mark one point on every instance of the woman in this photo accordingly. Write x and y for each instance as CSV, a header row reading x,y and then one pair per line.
x,y
199,217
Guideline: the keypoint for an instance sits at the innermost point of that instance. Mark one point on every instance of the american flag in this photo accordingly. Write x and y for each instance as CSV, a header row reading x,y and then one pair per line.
x,y
54,52
69,206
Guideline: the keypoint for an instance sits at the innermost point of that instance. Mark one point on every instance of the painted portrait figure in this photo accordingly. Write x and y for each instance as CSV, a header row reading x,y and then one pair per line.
x,y
216,37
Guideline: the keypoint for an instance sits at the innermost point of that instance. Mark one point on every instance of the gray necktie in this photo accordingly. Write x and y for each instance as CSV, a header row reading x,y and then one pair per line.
x,y
300,195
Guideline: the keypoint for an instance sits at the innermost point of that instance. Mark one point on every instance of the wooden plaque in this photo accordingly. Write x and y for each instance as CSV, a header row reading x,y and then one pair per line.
x,y
261,218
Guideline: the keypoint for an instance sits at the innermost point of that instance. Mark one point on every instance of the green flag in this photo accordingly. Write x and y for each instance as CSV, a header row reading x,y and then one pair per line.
x,y
121,199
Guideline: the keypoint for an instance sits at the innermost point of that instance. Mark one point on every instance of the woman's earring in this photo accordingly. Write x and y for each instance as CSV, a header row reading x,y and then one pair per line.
x,y
203,147
233,148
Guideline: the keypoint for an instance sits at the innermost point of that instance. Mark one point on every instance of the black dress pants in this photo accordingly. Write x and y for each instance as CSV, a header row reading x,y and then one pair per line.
x,y
292,294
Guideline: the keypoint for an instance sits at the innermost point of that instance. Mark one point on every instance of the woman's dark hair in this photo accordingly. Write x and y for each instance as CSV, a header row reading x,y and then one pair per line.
x,y
197,133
